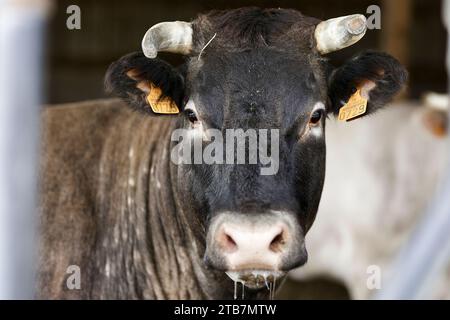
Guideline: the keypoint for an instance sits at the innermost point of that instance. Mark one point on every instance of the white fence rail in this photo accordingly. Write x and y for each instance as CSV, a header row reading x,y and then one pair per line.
x,y
22,25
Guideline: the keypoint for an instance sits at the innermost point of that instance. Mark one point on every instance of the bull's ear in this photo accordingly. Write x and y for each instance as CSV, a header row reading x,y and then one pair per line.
x,y
149,85
372,76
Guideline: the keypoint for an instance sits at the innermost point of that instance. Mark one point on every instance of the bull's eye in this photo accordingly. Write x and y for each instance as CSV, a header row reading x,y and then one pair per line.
x,y
316,116
190,114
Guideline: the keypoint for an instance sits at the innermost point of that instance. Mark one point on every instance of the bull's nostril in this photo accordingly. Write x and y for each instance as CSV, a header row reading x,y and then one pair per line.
x,y
227,242
230,243
278,242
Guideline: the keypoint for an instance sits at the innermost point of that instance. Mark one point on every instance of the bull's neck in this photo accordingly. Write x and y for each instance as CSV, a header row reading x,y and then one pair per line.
x,y
154,247
173,237
152,250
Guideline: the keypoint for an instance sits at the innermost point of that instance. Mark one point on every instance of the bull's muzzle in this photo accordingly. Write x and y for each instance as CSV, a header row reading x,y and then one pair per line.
x,y
255,248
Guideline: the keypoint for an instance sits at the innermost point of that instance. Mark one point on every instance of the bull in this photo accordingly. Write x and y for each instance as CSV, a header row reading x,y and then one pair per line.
x,y
137,225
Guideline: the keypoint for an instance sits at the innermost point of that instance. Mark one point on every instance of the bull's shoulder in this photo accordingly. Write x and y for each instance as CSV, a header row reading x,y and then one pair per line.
x,y
73,137
89,152
72,140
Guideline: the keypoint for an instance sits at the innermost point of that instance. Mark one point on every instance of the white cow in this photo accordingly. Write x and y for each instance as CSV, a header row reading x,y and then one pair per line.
x,y
381,175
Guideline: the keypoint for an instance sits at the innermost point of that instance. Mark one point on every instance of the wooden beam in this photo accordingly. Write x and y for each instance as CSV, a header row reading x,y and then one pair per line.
x,y
395,36
395,29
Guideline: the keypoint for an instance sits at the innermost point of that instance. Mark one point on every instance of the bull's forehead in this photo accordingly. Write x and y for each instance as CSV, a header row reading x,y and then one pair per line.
x,y
256,88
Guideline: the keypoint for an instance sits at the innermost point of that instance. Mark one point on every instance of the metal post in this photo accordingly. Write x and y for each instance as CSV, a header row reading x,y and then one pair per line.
x,y
22,25
428,251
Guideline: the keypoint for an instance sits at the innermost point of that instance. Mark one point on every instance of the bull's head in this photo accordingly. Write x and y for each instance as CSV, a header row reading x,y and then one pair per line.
x,y
256,69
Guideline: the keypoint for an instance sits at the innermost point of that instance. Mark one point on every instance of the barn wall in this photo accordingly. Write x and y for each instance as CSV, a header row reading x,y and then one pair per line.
x,y
78,58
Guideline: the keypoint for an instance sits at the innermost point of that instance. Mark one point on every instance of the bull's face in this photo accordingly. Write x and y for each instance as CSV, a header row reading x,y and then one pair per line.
x,y
258,213
259,75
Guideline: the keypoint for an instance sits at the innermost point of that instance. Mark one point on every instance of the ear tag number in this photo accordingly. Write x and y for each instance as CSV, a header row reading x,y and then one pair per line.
x,y
355,107
161,105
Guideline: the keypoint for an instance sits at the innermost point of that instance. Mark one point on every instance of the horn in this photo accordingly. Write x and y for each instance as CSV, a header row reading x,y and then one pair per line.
x,y
175,37
339,33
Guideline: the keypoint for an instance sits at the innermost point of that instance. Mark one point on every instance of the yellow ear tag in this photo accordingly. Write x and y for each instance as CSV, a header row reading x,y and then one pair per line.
x,y
355,107
162,106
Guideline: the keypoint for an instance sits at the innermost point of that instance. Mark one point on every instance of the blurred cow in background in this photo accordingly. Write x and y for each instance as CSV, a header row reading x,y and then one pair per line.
x,y
376,193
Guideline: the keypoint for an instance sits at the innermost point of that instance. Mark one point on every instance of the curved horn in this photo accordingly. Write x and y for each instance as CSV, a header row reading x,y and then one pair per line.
x,y
339,33
175,37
